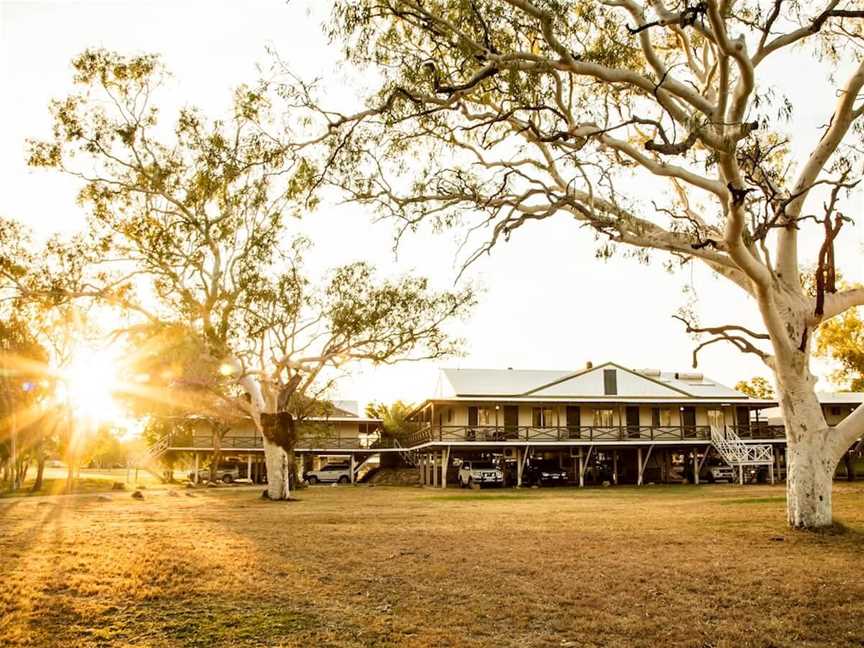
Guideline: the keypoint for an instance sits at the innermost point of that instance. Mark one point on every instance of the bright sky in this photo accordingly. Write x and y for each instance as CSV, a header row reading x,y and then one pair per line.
x,y
547,302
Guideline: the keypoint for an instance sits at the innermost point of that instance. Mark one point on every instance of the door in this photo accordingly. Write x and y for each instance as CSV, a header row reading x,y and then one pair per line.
x,y
511,421
742,417
688,421
574,422
632,416
471,432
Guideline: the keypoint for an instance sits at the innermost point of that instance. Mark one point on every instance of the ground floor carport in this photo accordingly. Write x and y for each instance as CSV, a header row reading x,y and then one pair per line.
x,y
588,463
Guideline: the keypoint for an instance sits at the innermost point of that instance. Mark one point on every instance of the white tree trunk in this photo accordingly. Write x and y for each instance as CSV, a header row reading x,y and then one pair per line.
x,y
812,450
278,472
809,480
275,459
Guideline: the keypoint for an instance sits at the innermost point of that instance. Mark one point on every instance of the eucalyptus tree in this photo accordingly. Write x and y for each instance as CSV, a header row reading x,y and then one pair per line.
x,y
653,124
191,216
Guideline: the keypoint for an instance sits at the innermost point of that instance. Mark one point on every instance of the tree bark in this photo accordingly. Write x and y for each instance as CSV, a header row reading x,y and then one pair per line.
x,y
40,472
808,484
812,451
278,471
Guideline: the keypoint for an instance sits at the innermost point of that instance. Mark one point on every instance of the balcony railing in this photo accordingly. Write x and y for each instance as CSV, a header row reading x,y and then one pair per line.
x,y
247,443
497,433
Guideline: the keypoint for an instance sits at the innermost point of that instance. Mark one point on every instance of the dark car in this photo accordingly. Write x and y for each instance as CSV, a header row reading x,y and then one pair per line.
x,y
544,473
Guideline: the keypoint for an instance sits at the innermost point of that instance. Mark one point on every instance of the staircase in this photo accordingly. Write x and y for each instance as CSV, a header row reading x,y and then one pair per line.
x,y
146,458
736,453
408,456
367,467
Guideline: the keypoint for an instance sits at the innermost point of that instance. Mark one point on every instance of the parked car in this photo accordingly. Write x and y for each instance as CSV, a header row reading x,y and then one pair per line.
x,y
338,473
544,473
725,472
226,472
479,473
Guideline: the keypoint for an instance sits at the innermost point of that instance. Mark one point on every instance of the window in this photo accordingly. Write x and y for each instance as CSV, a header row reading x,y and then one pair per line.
x,y
486,416
610,382
604,417
661,416
450,415
543,417
715,419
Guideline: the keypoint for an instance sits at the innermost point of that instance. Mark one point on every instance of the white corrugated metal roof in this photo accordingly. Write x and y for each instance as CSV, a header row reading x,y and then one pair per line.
x,y
582,384
841,398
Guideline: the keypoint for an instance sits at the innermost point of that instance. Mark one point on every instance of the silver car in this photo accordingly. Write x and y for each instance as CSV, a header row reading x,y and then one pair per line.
x,y
479,473
331,473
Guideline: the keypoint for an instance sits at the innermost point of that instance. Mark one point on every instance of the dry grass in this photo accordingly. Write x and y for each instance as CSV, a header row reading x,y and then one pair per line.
x,y
657,566
89,481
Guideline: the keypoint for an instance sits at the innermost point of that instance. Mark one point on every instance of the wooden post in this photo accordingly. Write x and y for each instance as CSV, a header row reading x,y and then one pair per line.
x,y
639,461
249,466
741,474
696,466
196,469
581,469
615,467
420,468
435,469
519,452
445,462
352,467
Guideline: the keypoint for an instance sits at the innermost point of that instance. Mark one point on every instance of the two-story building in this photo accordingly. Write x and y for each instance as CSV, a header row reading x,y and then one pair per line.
x,y
344,433
600,422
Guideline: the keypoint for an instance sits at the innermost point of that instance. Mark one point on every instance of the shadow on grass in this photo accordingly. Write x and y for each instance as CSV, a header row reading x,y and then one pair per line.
x,y
753,500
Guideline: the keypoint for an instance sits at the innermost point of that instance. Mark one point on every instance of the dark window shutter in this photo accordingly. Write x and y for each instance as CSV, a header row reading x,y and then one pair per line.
x,y
472,415
610,382
655,416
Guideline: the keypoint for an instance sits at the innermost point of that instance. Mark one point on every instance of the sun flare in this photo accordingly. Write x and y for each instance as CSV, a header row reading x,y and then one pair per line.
x,y
90,381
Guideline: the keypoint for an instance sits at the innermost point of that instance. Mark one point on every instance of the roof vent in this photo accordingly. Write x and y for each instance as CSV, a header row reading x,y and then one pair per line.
x,y
655,373
589,365
689,376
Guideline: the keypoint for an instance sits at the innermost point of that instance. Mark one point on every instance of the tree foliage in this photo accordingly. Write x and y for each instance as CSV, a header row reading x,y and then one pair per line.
x,y
756,387
842,340
191,217
394,418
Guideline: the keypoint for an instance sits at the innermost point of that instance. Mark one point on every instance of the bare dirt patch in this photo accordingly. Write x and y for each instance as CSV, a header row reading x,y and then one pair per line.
x,y
658,566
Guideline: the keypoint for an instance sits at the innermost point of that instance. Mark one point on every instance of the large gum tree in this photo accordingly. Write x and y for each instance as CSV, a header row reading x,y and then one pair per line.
x,y
190,241
652,123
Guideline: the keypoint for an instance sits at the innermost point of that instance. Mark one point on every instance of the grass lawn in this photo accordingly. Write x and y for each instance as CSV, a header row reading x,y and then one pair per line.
x,y
359,566
90,481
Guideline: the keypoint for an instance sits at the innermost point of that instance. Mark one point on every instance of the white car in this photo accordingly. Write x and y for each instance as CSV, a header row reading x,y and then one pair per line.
x,y
479,473
338,473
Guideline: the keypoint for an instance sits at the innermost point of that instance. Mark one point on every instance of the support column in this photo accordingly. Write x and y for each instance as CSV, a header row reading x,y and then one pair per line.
x,y
771,473
519,452
353,463
249,467
695,466
741,474
196,469
581,468
445,463
615,467
639,462
435,469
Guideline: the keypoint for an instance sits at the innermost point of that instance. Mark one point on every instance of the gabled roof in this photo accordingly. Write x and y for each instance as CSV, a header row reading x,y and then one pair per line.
x,y
580,385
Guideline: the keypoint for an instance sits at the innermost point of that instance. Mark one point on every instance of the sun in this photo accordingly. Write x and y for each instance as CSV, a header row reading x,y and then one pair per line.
x,y
89,383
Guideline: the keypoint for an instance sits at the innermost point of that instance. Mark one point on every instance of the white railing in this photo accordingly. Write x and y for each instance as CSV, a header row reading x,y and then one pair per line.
x,y
144,460
408,456
737,453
